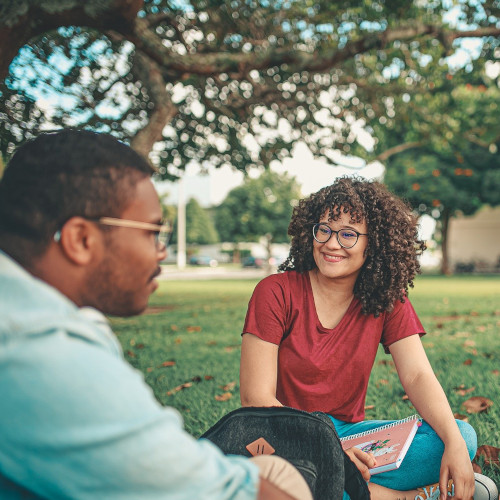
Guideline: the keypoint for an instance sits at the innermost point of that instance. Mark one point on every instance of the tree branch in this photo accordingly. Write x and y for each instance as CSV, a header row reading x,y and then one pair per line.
x,y
397,149
209,64
164,109
17,27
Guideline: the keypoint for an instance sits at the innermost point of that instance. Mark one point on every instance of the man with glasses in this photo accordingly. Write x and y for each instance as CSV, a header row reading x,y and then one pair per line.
x,y
81,236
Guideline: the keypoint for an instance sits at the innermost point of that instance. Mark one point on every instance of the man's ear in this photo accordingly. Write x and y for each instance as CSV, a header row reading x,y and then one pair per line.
x,y
79,240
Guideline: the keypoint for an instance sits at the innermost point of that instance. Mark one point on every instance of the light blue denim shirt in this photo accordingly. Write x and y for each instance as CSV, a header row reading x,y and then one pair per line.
x,y
77,421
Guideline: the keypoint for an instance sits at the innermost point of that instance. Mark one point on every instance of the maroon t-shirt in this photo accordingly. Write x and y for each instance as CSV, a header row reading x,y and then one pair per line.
x,y
322,369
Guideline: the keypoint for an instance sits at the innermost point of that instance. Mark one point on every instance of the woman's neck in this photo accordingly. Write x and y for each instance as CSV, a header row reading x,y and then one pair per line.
x,y
339,289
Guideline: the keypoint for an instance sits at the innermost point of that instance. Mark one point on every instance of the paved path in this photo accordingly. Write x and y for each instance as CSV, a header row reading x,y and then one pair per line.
x,y
210,273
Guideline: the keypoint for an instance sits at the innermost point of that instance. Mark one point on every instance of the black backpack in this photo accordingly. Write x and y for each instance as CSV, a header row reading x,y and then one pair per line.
x,y
307,440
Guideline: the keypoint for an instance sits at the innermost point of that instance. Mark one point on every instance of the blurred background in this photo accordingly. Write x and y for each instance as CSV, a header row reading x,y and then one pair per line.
x,y
245,106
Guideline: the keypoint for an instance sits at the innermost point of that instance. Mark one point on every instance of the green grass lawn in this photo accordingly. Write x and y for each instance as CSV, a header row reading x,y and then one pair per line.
x,y
188,346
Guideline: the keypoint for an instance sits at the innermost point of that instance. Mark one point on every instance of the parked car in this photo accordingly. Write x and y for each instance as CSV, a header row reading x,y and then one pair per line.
x,y
252,261
203,260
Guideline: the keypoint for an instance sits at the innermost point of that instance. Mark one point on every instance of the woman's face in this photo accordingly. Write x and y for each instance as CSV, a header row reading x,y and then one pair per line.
x,y
335,261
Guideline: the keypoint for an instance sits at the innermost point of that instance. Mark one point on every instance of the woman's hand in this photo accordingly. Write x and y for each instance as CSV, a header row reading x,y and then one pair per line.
x,y
456,465
362,460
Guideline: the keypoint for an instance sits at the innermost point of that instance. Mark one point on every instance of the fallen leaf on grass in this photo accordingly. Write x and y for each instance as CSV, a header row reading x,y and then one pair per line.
x,y
468,362
462,391
428,345
490,454
228,387
405,397
168,363
469,343
208,377
476,468
460,416
140,346
386,362
179,388
149,369
223,397
230,348
211,342
477,404
193,329
480,328
495,372
130,354
196,379
369,407
174,328
178,340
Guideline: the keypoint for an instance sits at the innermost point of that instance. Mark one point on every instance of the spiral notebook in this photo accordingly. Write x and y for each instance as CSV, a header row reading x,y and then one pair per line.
x,y
388,443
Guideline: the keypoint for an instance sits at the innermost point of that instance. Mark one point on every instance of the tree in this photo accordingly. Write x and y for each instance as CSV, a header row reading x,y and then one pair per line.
x,y
228,81
200,229
260,207
459,171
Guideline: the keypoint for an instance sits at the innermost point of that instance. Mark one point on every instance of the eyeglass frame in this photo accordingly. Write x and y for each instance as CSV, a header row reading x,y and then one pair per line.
x,y
358,234
157,229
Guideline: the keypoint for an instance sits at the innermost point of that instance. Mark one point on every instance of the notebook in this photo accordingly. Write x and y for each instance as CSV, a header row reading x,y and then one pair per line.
x,y
388,443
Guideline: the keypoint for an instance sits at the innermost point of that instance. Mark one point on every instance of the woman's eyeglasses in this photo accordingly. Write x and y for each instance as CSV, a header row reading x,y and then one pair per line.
x,y
347,238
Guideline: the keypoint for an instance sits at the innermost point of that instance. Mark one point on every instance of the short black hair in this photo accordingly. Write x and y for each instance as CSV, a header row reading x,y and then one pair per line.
x,y
393,241
59,175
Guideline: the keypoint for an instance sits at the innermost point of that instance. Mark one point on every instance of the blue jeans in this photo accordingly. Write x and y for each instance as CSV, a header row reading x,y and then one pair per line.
x,y
422,462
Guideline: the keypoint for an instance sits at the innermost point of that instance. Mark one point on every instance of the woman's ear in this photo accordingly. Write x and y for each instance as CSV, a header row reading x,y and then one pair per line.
x,y
79,240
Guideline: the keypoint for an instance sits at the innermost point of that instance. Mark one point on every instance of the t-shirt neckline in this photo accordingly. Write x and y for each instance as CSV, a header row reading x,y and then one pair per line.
x,y
319,325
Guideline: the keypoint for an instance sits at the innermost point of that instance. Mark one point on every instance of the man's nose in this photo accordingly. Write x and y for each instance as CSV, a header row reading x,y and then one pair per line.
x,y
162,253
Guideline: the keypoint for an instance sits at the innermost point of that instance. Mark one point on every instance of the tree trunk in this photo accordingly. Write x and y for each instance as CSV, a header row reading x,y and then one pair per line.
x,y
236,254
269,242
445,223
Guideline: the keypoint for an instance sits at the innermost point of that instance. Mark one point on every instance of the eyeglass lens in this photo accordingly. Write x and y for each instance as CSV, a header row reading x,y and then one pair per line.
x,y
162,238
346,237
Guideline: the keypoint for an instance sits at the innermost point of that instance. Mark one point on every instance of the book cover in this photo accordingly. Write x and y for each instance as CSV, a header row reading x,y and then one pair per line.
x,y
388,443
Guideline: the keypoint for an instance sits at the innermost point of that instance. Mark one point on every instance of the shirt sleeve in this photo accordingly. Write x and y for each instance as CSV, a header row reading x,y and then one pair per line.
x,y
267,310
400,323
78,422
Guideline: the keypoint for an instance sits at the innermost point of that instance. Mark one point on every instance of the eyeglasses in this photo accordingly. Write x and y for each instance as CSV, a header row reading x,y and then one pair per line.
x,y
162,232
347,238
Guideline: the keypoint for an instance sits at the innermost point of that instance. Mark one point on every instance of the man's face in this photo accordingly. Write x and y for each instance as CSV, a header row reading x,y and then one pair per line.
x,y
123,279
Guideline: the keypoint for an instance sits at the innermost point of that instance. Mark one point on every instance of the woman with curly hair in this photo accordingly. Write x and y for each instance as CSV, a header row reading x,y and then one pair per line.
x,y
311,333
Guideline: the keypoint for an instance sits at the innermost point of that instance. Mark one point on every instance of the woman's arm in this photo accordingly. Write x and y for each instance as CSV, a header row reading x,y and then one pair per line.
x,y
427,395
258,372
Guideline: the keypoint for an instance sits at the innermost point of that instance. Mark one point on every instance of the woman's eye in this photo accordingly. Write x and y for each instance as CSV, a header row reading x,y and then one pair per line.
x,y
348,234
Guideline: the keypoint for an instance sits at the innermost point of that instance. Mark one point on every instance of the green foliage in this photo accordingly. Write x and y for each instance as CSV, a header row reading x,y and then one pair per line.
x,y
220,72
200,228
456,169
258,207
197,326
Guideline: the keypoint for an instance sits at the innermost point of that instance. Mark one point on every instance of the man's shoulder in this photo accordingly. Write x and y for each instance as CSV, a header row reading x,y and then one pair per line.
x,y
29,307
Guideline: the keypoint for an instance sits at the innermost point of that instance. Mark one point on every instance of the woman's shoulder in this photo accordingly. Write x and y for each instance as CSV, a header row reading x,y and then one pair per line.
x,y
286,279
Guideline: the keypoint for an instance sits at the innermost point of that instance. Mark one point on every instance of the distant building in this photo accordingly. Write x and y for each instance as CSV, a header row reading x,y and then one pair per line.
x,y
474,241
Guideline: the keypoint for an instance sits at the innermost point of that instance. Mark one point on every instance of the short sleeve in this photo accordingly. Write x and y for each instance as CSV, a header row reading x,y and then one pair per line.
x,y
267,310
400,323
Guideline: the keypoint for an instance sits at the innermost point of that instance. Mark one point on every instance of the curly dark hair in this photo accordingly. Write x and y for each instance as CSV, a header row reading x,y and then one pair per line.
x,y
59,175
393,244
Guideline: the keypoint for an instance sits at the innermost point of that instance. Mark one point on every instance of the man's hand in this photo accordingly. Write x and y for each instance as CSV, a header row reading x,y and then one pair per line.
x,y
363,461
267,491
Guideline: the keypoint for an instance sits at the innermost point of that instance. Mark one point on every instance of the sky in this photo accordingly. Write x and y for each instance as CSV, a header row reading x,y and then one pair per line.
x,y
311,174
